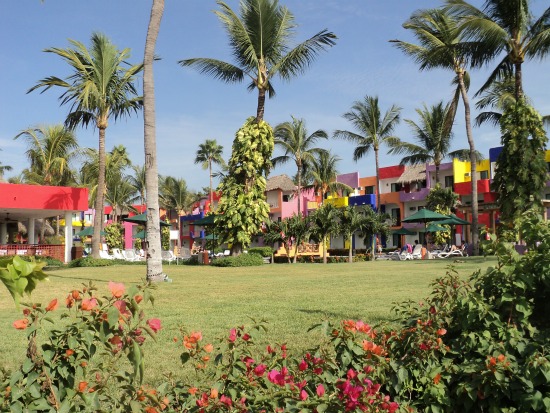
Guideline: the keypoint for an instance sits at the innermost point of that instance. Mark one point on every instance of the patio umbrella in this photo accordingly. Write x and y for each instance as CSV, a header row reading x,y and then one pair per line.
x,y
403,231
454,220
141,234
142,219
87,232
436,228
210,237
207,220
425,215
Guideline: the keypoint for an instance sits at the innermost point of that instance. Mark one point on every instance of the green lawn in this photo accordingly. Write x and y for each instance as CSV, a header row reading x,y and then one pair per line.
x,y
212,300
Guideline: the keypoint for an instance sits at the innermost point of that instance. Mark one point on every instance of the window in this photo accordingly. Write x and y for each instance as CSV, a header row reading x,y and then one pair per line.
x,y
484,175
412,208
396,240
369,190
395,187
449,181
285,198
396,216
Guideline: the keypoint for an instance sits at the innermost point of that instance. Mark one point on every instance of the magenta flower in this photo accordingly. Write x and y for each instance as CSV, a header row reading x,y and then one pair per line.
x,y
303,395
232,335
154,324
320,390
259,370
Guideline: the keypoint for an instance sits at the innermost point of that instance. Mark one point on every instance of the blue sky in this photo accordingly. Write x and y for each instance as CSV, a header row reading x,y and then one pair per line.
x,y
193,107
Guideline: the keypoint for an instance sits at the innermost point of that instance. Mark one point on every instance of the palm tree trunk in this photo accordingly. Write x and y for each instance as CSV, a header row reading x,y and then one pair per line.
x,y
261,106
519,81
299,190
154,259
473,162
324,249
350,252
210,171
377,181
436,173
100,195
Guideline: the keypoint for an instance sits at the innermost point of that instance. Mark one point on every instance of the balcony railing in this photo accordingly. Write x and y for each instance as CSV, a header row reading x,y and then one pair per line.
x,y
414,195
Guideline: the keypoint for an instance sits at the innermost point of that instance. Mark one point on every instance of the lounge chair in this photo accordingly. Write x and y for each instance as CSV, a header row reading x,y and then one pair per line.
x,y
456,252
117,255
402,256
105,255
168,256
184,254
130,255
417,252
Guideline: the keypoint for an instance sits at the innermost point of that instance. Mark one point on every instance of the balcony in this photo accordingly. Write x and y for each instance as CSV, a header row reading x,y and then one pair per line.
x,y
362,200
312,205
414,195
465,188
337,202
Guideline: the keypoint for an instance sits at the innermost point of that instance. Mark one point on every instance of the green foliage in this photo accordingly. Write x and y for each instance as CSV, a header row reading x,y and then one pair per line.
x,y
262,251
242,207
521,170
165,238
21,276
441,200
113,236
243,260
90,262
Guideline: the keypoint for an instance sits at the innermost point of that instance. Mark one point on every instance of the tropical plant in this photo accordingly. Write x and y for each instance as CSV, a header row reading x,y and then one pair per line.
x,y
299,228
504,26
324,222
113,236
50,151
443,201
298,146
322,175
351,220
374,223
174,195
371,131
433,137
3,169
210,153
101,87
137,180
260,42
443,46
521,170
120,195
242,207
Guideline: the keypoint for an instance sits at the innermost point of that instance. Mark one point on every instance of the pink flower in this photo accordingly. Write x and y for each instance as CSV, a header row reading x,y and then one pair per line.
x,y
232,335
154,324
226,400
303,365
121,305
259,370
276,377
117,289
303,395
320,390
88,304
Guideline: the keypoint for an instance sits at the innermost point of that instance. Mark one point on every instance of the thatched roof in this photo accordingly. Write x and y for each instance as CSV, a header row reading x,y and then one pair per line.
x,y
413,173
282,182
48,230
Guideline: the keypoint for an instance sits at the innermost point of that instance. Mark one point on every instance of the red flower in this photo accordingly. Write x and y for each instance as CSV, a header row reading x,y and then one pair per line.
x,y
246,337
88,304
320,390
260,370
303,365
437,378
303,395
117,289
138,298
21,324
52,305
226,400
232,335
154,324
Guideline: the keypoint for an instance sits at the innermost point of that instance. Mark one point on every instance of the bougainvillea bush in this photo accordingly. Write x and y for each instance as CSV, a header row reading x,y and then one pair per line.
x,y
476,345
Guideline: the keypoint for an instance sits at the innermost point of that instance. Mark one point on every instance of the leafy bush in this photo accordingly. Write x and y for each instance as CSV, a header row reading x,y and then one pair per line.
x,y
113,235
263,251
243,260
90,262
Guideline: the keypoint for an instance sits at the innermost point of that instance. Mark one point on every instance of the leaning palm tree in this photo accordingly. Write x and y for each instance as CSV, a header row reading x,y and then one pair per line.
x,y
433,139
154,258
259,40
101,87
209,153
298,146
504,26
322,175
442,45
50,150
372,131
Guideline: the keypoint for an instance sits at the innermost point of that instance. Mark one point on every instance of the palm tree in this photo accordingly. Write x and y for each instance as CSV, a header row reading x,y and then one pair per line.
x,y
442,45
504,26
138,182
101,87
3,169
433,137
175,195
325,222
299,228
50,151
208,153
372,131
351,220
259,40
154,248
322,174
120,194
293,138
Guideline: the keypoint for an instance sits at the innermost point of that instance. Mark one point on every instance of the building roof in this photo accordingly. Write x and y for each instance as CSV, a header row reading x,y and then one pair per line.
x,y
413,173
282,182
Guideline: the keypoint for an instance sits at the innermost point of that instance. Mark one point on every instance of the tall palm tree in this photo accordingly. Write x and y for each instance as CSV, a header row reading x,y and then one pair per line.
x,y
101,87
505,26
442,45
372,131
154,248
322,174
298,146
174,195
120,194
208,153
433,139
50,151
259,40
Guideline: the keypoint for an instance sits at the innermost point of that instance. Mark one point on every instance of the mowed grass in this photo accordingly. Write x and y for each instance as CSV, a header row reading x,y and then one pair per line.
x,y
290,297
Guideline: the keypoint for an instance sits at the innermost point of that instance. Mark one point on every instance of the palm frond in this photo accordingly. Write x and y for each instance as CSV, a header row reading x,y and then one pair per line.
x,y
216,68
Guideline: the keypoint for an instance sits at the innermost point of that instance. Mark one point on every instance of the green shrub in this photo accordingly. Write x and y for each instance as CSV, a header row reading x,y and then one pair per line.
x,y
243,260
91,262
263,251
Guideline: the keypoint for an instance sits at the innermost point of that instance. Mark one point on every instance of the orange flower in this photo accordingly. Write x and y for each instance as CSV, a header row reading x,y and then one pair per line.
x,y
69,301
190,341
75,294
52,305
193,390
151,409
437,378
21,324
117,289
349,325
208,348
441,332
88,304
138,298
82,386
69,352
213,393
372,348
501,358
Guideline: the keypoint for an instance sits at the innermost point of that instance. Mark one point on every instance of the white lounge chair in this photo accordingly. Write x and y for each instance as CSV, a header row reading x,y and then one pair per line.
x,y
117,255
457,252
105,255
184,255
417,252
402,256
168,256
130,255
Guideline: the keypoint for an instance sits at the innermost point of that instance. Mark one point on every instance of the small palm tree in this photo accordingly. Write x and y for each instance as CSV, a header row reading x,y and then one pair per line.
x,y
293,139
351,220
259,40
325,222
210,153
3,169
50,151
322,175
372,131
174,195
101,87
504,26
299,228
433,137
